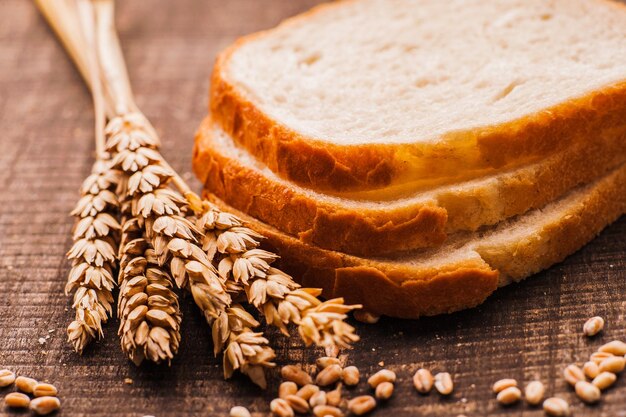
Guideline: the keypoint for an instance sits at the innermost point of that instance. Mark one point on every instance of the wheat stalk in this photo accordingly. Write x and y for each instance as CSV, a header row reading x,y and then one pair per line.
x,y
171,238
93,253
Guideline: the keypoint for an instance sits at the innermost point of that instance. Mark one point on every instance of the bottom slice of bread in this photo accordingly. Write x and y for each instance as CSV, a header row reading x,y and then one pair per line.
x,y
467,268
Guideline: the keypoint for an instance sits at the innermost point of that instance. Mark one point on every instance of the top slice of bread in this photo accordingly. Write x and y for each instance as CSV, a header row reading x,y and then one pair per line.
x,y
464,271
375,227
386,95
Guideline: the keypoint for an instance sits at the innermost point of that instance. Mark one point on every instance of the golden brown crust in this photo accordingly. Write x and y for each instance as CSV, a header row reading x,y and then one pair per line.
x,y
325,166
407,289
368,231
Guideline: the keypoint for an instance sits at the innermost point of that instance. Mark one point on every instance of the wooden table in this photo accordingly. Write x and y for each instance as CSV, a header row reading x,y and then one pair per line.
x,y
526,331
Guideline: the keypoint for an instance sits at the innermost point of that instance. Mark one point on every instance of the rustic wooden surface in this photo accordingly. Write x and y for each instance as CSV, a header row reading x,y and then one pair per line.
x,y
530,330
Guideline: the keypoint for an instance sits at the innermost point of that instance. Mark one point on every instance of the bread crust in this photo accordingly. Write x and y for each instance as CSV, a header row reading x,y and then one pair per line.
x,y
399,168
413,224
400,288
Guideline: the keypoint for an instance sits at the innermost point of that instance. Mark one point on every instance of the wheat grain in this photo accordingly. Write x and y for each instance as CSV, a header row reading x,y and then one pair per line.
x,y
587,392
326,361
6,378
384,375
350,375
384,390
604,380
45,405
534,392
333,397
328,375
16,400
423,381
307,391
319,398
362,404
45,390
327,410
239,411
25,384
298,404
509,395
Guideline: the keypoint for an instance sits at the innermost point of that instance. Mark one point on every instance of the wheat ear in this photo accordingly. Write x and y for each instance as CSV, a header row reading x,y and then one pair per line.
x,y
274,293
161,213
147,305
93,255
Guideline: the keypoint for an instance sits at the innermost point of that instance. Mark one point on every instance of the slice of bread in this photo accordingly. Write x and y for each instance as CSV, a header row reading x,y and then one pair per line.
x,y
464,271
379,227
398,95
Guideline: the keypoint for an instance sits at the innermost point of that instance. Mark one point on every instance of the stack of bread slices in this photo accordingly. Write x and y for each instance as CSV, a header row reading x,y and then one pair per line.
x,y
414,155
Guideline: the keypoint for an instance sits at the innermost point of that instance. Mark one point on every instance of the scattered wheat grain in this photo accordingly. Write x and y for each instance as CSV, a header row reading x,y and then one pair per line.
x,y
591,369
16,400
25,384
443,383
328,375
616,347
45,390
298,404
384,375
556,407
307,391
281,408
534,392
295,374
604,380
327,410
350,375
319,398
509,395
573,374
614,364
598,357
326,361
384,390
45,405
239,411
333,397
287,388
423,381
503,384
593,326
362,404
587,392
6,378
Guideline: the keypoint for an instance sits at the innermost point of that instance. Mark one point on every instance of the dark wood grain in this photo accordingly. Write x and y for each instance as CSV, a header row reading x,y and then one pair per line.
x,y
526,331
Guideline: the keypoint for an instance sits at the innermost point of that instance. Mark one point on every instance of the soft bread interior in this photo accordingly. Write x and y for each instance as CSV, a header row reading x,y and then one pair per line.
x,y
396,71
